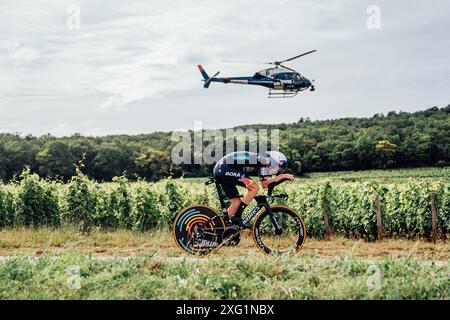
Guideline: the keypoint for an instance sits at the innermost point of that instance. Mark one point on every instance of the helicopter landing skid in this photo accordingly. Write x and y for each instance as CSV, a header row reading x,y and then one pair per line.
x,y
284,94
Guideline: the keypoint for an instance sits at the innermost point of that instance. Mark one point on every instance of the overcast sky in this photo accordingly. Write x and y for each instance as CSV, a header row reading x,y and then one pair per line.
x,y
131,67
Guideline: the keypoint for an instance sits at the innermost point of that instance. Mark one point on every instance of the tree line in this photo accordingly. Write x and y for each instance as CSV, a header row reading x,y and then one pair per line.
x,y
397,139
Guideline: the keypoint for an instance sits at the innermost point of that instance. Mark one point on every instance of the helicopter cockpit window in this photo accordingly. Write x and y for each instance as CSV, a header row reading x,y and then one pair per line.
x,y
284,76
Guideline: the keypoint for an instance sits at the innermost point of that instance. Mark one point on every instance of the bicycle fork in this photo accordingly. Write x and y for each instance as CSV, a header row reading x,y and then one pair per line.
x,y
278,229
262,203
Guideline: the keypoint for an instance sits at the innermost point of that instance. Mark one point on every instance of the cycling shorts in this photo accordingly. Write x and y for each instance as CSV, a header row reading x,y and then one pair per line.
x,y
228,179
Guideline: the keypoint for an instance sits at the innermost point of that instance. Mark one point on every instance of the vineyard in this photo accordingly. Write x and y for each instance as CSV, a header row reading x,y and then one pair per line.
x,y
409,207
383,175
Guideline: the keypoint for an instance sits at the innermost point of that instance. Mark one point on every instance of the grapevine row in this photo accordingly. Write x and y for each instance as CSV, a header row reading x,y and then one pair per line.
x,y
414,207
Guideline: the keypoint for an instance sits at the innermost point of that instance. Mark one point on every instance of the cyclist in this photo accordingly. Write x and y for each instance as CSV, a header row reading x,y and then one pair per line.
x,y
236,168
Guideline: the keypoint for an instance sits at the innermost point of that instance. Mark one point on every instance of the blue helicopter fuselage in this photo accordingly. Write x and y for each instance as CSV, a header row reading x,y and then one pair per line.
x,y
272,78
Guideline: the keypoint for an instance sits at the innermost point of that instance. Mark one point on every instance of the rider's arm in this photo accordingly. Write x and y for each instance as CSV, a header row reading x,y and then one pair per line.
x,y
266,182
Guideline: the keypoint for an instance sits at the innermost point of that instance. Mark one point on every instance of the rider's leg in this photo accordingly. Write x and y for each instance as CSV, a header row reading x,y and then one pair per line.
x,y
235,202
253,189
229,183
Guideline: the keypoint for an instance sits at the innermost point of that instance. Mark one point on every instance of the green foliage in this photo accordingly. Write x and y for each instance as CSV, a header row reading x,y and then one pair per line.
x,y
386,151
441,199
123,203
110,160
306,200
105,208
395,140
147,214
414,205
81,201
388,176
174,201
153,164
351,206
51,200
354,208
37,202
56,160
7,207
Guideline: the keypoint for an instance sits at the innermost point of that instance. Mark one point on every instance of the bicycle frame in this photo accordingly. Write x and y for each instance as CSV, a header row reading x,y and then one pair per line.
x,y
261,201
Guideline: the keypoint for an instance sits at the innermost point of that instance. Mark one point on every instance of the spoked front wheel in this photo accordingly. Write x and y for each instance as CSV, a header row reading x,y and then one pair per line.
x,y
290,240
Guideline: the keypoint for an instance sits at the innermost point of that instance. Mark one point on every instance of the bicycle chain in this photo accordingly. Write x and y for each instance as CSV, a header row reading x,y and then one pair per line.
x,y
238,231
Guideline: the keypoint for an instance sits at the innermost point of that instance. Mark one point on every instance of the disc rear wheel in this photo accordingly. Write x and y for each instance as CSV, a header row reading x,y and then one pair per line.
x,y
198,230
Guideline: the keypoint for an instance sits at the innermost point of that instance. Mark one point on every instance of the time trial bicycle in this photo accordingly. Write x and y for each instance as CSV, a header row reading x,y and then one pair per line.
x,y
277,230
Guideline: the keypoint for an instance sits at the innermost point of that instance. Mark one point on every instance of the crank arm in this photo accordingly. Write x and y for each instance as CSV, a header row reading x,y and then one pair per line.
x,y
224,242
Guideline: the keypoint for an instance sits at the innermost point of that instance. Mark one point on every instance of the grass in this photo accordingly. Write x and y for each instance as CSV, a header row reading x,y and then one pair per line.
x,y
219,277
47,241
45,264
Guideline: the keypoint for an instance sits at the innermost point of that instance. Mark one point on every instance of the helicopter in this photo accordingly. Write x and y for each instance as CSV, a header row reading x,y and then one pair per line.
x,y
282,81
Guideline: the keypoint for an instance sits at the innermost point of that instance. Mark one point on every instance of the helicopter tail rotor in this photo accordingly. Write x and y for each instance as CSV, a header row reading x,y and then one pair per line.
x,y
206,78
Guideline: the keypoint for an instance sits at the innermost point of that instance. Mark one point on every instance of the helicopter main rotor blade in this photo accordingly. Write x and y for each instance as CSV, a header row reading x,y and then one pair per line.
x,y
238,61
300,55
276,63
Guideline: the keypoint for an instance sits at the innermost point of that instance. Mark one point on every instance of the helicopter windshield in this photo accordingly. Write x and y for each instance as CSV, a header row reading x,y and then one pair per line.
x,y
284,76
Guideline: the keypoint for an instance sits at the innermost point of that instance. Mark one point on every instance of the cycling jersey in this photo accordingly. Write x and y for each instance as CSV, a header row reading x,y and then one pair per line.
x,y
249,163
236,166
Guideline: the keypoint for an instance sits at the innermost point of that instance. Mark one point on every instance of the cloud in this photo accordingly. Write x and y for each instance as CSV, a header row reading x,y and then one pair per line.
x,y
132,67
24,55
112,102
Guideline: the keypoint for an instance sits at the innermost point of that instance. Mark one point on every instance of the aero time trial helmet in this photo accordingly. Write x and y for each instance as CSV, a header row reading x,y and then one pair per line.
x,y
278,161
